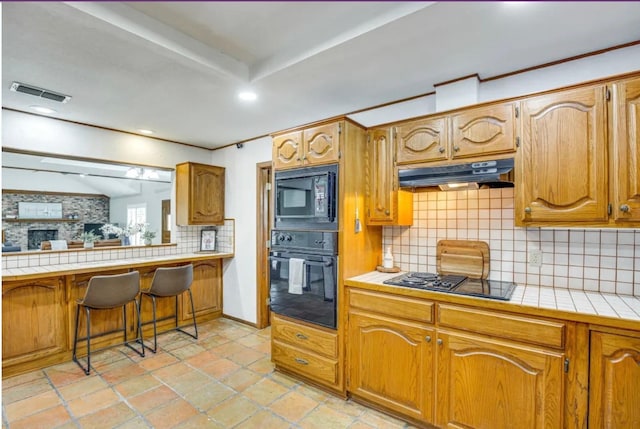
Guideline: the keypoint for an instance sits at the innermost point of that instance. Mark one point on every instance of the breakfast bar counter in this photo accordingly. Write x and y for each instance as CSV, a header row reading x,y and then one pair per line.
x,y
39,305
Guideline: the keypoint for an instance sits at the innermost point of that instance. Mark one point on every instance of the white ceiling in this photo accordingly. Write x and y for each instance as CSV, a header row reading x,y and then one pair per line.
x,y
176,67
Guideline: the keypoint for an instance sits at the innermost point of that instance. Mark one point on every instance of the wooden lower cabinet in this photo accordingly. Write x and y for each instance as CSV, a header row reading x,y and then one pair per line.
x,y
486,383
454,366
306,351
614,381
34,322
206,290
392,364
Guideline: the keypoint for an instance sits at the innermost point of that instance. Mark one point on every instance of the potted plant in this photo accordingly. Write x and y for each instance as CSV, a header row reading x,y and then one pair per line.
x,y
148,235
89,238
123,233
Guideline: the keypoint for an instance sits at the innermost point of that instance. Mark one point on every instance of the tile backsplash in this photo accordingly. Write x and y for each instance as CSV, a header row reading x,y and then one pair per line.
x,y
187,238
602,260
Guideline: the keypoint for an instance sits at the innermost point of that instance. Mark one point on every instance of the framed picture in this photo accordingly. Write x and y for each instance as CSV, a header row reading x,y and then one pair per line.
x,y
208,240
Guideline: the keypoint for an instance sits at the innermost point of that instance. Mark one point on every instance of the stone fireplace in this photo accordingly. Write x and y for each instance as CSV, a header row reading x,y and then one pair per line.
x,y
37,236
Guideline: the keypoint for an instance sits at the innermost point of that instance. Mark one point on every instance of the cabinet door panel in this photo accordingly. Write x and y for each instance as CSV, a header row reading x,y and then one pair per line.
x,y
287,150
484,131
422,141
381,178
206,289
33,319
207,205
626,143
322,144
614,392
391,364
562,167
491,384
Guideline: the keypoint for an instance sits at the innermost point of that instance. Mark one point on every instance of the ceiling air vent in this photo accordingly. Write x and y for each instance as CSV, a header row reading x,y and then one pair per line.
x,y
39,92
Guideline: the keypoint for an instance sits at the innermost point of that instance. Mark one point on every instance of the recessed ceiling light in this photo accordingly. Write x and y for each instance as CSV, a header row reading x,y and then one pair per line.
x,y
42,109
247,96
143,131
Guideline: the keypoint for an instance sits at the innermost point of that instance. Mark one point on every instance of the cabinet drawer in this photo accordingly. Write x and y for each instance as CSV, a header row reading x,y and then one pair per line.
x,y
314,366
316,340
534,331
392,305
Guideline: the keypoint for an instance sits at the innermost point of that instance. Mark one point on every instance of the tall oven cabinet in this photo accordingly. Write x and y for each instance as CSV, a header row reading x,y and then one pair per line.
x,y
341,142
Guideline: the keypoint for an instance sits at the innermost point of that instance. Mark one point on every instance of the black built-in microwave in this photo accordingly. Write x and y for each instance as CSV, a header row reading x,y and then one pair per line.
x,y
305,198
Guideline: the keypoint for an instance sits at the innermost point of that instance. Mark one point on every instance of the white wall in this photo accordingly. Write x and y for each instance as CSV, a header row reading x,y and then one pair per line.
x,y
41,134
590,68
240,288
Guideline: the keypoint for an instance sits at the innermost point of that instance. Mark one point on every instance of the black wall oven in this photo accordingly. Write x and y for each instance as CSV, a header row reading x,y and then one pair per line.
x,y
303,275
305,198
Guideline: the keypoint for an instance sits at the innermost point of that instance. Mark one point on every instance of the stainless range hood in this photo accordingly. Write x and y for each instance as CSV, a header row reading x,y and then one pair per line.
x,y
491,173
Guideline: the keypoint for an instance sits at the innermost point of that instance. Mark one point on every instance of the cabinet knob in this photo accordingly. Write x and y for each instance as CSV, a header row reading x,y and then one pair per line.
x,y
527,210
439,341
428,338
441,150
387,212
302,336
302,361
456,148
625,208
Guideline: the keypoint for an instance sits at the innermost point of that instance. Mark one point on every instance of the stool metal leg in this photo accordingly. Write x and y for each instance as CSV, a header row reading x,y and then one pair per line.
x,y
86,370
193,314
126,342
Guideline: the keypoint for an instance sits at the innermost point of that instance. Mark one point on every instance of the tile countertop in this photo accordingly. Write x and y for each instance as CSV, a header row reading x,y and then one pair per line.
x,y
24,273
584,306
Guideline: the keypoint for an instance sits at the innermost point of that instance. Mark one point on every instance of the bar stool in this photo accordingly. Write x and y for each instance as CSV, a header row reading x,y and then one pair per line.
x,y
108,292
168,282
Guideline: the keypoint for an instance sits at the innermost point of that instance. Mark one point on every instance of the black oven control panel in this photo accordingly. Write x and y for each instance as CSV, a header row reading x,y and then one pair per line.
x,y
323,242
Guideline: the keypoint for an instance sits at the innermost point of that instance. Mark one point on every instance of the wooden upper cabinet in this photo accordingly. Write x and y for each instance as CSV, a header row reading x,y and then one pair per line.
x,y
199,194
424,140
386,204
312,146
561,169
614,396
626,158
483,131
487,383
287,150
322,144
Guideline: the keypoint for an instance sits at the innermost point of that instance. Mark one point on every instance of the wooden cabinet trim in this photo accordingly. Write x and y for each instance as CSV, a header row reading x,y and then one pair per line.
x,y
535,331
392,305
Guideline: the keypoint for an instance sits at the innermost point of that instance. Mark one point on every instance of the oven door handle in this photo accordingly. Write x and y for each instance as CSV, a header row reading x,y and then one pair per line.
x,y
319,264
314,263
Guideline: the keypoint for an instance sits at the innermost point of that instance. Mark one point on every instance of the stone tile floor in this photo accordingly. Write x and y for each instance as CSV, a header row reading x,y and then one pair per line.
x,y
225,379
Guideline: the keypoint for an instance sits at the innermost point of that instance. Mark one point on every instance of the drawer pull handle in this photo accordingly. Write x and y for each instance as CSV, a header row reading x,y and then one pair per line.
x,y
302,361
302,336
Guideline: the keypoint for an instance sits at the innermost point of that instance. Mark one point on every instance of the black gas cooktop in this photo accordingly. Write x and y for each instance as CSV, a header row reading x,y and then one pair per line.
x,y
457,284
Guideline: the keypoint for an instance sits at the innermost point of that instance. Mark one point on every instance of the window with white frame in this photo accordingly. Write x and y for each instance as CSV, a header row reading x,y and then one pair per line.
x,y
136,214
